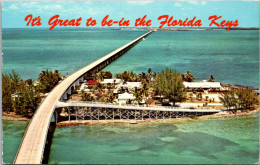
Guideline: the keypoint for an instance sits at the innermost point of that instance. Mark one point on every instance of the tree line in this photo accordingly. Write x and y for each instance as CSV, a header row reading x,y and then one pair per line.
x,y
167,83
24,96
239,99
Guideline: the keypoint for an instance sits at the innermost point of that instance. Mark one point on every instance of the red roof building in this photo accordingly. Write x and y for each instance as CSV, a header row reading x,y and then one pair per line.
x,y
91,82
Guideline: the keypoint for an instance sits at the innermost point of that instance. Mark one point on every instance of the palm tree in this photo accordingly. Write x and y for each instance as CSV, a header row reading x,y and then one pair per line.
x,y
150,73
211,78
100,87
190,94
206,98
145,89
189,77
99,76
111,96
138,95
199,96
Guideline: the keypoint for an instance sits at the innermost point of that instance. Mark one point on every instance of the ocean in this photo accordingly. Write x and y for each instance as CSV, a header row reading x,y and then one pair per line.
x,y
232,140
230,56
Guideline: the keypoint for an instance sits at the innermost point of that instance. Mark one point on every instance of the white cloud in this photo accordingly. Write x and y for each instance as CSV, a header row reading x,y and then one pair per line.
x,y
29,4
140,2
51,7
196,2
13,7
88,2
193,2
177,4
203,3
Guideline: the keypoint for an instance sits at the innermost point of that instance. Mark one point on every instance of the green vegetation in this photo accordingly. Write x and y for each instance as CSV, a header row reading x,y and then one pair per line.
x,y
86,96
23,97
188,77
211,78
19,96
100,76
127,76
169,83
239,99
48,80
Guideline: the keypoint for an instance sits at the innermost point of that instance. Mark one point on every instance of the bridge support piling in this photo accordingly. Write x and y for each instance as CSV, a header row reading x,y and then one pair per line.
x,y
91,113
163,114
69,113
48,143
113,115
56,117
69,91
76,113
77,82
98,113
81,79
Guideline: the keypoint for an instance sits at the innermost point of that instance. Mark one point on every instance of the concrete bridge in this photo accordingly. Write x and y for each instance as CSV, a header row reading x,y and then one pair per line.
x,y
112,111
31,150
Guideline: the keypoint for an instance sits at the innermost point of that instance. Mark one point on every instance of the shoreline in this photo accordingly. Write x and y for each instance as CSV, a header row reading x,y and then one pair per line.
x,y
224,114
175,120
14,117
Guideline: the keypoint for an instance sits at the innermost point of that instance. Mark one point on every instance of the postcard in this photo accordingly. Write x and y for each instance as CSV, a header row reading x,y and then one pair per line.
x,y
130,82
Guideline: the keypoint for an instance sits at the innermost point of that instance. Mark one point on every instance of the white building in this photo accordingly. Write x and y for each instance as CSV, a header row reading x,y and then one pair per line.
x,y
83,87
124,97
111,81
205,85
128,85
131,85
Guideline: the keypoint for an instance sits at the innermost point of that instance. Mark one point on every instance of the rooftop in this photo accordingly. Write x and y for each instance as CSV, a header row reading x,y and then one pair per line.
x,y
111,81
125,96
202,84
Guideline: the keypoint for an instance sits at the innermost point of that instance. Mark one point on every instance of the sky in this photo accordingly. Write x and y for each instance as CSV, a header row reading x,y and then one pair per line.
x,y
246,12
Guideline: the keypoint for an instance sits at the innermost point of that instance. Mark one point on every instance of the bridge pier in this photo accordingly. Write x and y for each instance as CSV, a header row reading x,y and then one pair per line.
x,y
65,97
77,82
81,79
69,113
69,91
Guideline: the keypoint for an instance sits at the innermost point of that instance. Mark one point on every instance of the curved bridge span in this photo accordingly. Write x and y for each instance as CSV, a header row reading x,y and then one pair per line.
x,y
33,143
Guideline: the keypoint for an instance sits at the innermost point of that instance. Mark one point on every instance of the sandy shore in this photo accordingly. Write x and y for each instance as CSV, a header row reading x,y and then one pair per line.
x,y
174,120
13,116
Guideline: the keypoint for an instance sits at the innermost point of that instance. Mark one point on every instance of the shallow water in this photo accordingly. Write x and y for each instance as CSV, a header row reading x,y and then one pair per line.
x,y
12,135
223,140
230,140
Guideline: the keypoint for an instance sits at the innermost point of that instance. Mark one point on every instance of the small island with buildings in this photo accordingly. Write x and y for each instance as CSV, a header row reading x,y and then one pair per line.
x,y
164,91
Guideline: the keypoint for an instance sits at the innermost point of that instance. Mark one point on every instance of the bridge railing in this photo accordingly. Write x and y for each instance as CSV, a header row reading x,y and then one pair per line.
x,y
133,105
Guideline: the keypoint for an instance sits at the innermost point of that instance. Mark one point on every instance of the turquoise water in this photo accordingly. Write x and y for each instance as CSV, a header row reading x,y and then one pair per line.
x,y
223,140
12,135
231,56
29,51
232,140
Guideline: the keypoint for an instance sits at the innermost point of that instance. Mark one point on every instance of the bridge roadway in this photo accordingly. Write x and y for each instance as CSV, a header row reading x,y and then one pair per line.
x,y
33,143
133,107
